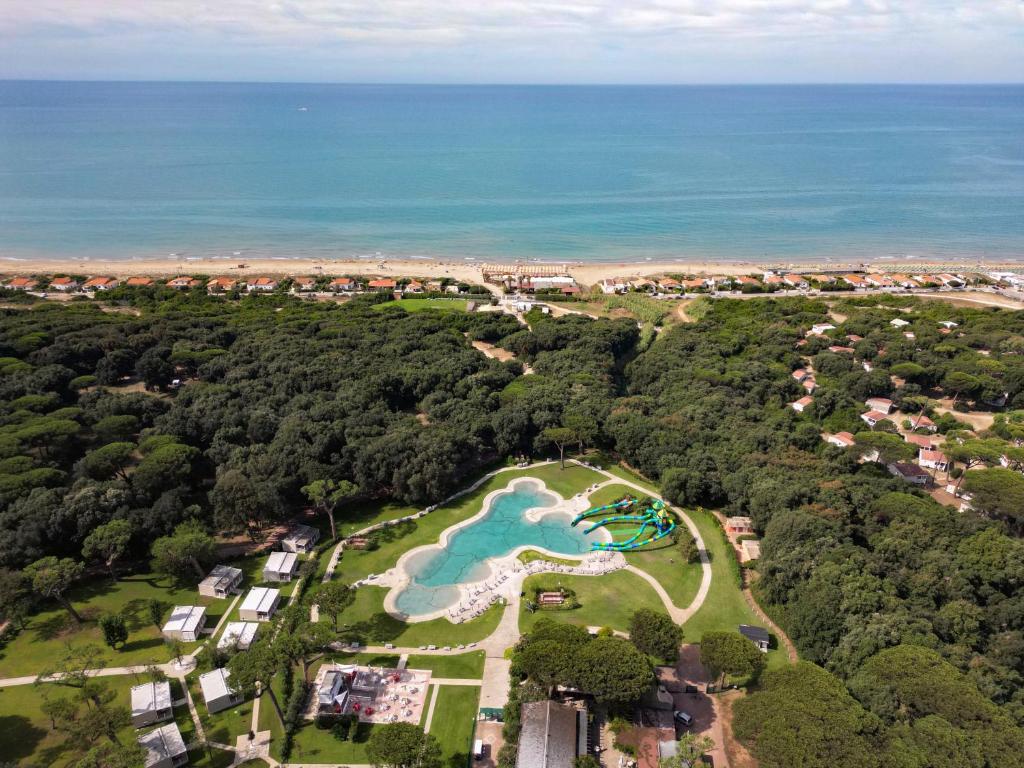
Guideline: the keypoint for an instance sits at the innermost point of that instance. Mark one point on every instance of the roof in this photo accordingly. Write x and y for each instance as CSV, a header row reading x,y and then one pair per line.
x,y
874,415
922,440
908,470
757,634
922,419
264,281
215,684
163,743
301,532
22,281
182,280
805,400
139,281
927,454
845,437
342,281
381,283
98,281
63,281
303,280
242,632
150,697
260,599
878,401
549,737
281,562
185,618
751,547
222,575
739,521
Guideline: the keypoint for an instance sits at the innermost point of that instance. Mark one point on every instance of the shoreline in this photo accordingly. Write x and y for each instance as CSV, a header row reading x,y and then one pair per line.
x,y
586,273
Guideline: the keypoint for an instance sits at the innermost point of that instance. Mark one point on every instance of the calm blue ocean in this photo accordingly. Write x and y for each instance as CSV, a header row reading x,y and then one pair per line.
x,y
581,173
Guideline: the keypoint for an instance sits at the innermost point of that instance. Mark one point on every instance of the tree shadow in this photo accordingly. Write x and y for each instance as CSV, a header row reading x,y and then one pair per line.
x,y
140,645
21,738
458,760
380,626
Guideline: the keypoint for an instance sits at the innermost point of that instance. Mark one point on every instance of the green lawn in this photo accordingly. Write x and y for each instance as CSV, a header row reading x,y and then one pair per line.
x,y
724,609
605,601
49,631
529,555
355,518
454,716
468,666
224,726
418,305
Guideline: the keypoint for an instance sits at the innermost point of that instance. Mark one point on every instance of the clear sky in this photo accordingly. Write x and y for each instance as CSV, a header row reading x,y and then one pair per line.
x,y
515,41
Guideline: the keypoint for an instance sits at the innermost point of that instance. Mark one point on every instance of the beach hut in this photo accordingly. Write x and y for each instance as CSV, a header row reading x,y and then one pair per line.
x,y
281,566
259,604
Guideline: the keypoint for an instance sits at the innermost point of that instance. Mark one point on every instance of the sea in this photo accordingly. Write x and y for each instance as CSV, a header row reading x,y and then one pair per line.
x,y
146,170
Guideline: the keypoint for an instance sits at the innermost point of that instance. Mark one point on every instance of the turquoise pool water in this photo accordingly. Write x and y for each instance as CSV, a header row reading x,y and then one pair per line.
x,y
436,572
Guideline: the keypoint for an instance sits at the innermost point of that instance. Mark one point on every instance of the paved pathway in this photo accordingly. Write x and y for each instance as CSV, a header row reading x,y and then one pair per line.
x,y
434,691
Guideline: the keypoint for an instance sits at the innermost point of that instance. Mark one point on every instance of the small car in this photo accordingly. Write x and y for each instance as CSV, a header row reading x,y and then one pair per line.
x,y
683,717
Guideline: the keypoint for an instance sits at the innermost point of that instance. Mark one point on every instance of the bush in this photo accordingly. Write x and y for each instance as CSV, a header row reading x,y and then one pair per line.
x,y
655,634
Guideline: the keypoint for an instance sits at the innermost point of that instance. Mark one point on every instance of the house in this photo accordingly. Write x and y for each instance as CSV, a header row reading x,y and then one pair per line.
x,y
570,290
800,374
820,328
553,735
948,324
911,473
871,418
841,350
694,285
669,285
183,283
739,526
381,285
64,284
757,635
932,459
853,338
802,403
263,284
878,281
281,566
302,284
753,282
100,284
217,693
905,281
822,279
151,703
794,281
220,284
332,693
340,284
923,422
22,284
609,287
882,404
951,281
856,281
921,441
139,282
750,549
841,440
926,281
774,280
809,384
259,604
413,286
898,322
239,634
301,538
435,286
221,582
164,747
186,622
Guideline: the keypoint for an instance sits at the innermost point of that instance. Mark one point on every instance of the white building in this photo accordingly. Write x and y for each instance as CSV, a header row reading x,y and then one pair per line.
x,y
802,403
217,693
186,622
301,538
151,703
239,634
221,582
841,440
882,404
164,747
281,566
259,604
898,322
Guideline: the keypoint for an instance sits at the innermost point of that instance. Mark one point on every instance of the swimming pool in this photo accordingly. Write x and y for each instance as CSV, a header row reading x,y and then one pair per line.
x,y
435,572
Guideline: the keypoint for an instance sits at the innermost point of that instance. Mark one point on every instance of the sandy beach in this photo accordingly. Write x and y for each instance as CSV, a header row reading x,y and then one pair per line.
x,y
586,273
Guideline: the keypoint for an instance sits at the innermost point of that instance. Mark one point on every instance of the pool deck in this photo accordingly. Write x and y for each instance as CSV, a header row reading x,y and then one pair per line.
x,y
506,573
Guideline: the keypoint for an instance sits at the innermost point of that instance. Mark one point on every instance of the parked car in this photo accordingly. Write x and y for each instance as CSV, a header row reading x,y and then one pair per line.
x,y
683,717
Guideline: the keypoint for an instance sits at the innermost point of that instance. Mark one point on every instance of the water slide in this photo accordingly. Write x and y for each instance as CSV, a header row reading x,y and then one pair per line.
x,y
655,517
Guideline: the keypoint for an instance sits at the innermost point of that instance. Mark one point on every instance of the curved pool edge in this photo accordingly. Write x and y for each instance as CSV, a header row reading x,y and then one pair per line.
x,y
398,577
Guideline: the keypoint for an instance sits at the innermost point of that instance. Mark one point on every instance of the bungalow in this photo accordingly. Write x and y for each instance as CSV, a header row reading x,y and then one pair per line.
x,y
750,549
753,282
669,285
905,281
217,693
164,747
260,604
281,566
413,286
139,282
921,441
183,283
221,581
853,338
22,284
820,328
220,284
800,374
263,284
795,281
757,635
841,440
151,703
932,459
332,693
342,284
951,281
302,284
64,284
381,285
882,404
802,403
100,284
570,290
871,418
774,280
239,634
610,286
301,538
926,281
878,280
839,350
552,735
186,622
435,286
694,285
911,473
642,285
739,525
809,384
856,281
898,322
923,422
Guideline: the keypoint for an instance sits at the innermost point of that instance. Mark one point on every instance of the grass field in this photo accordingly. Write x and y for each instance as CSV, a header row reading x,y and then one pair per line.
x,y
605,601
418,305
454,717
224,726
531,555
49,631
468,666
